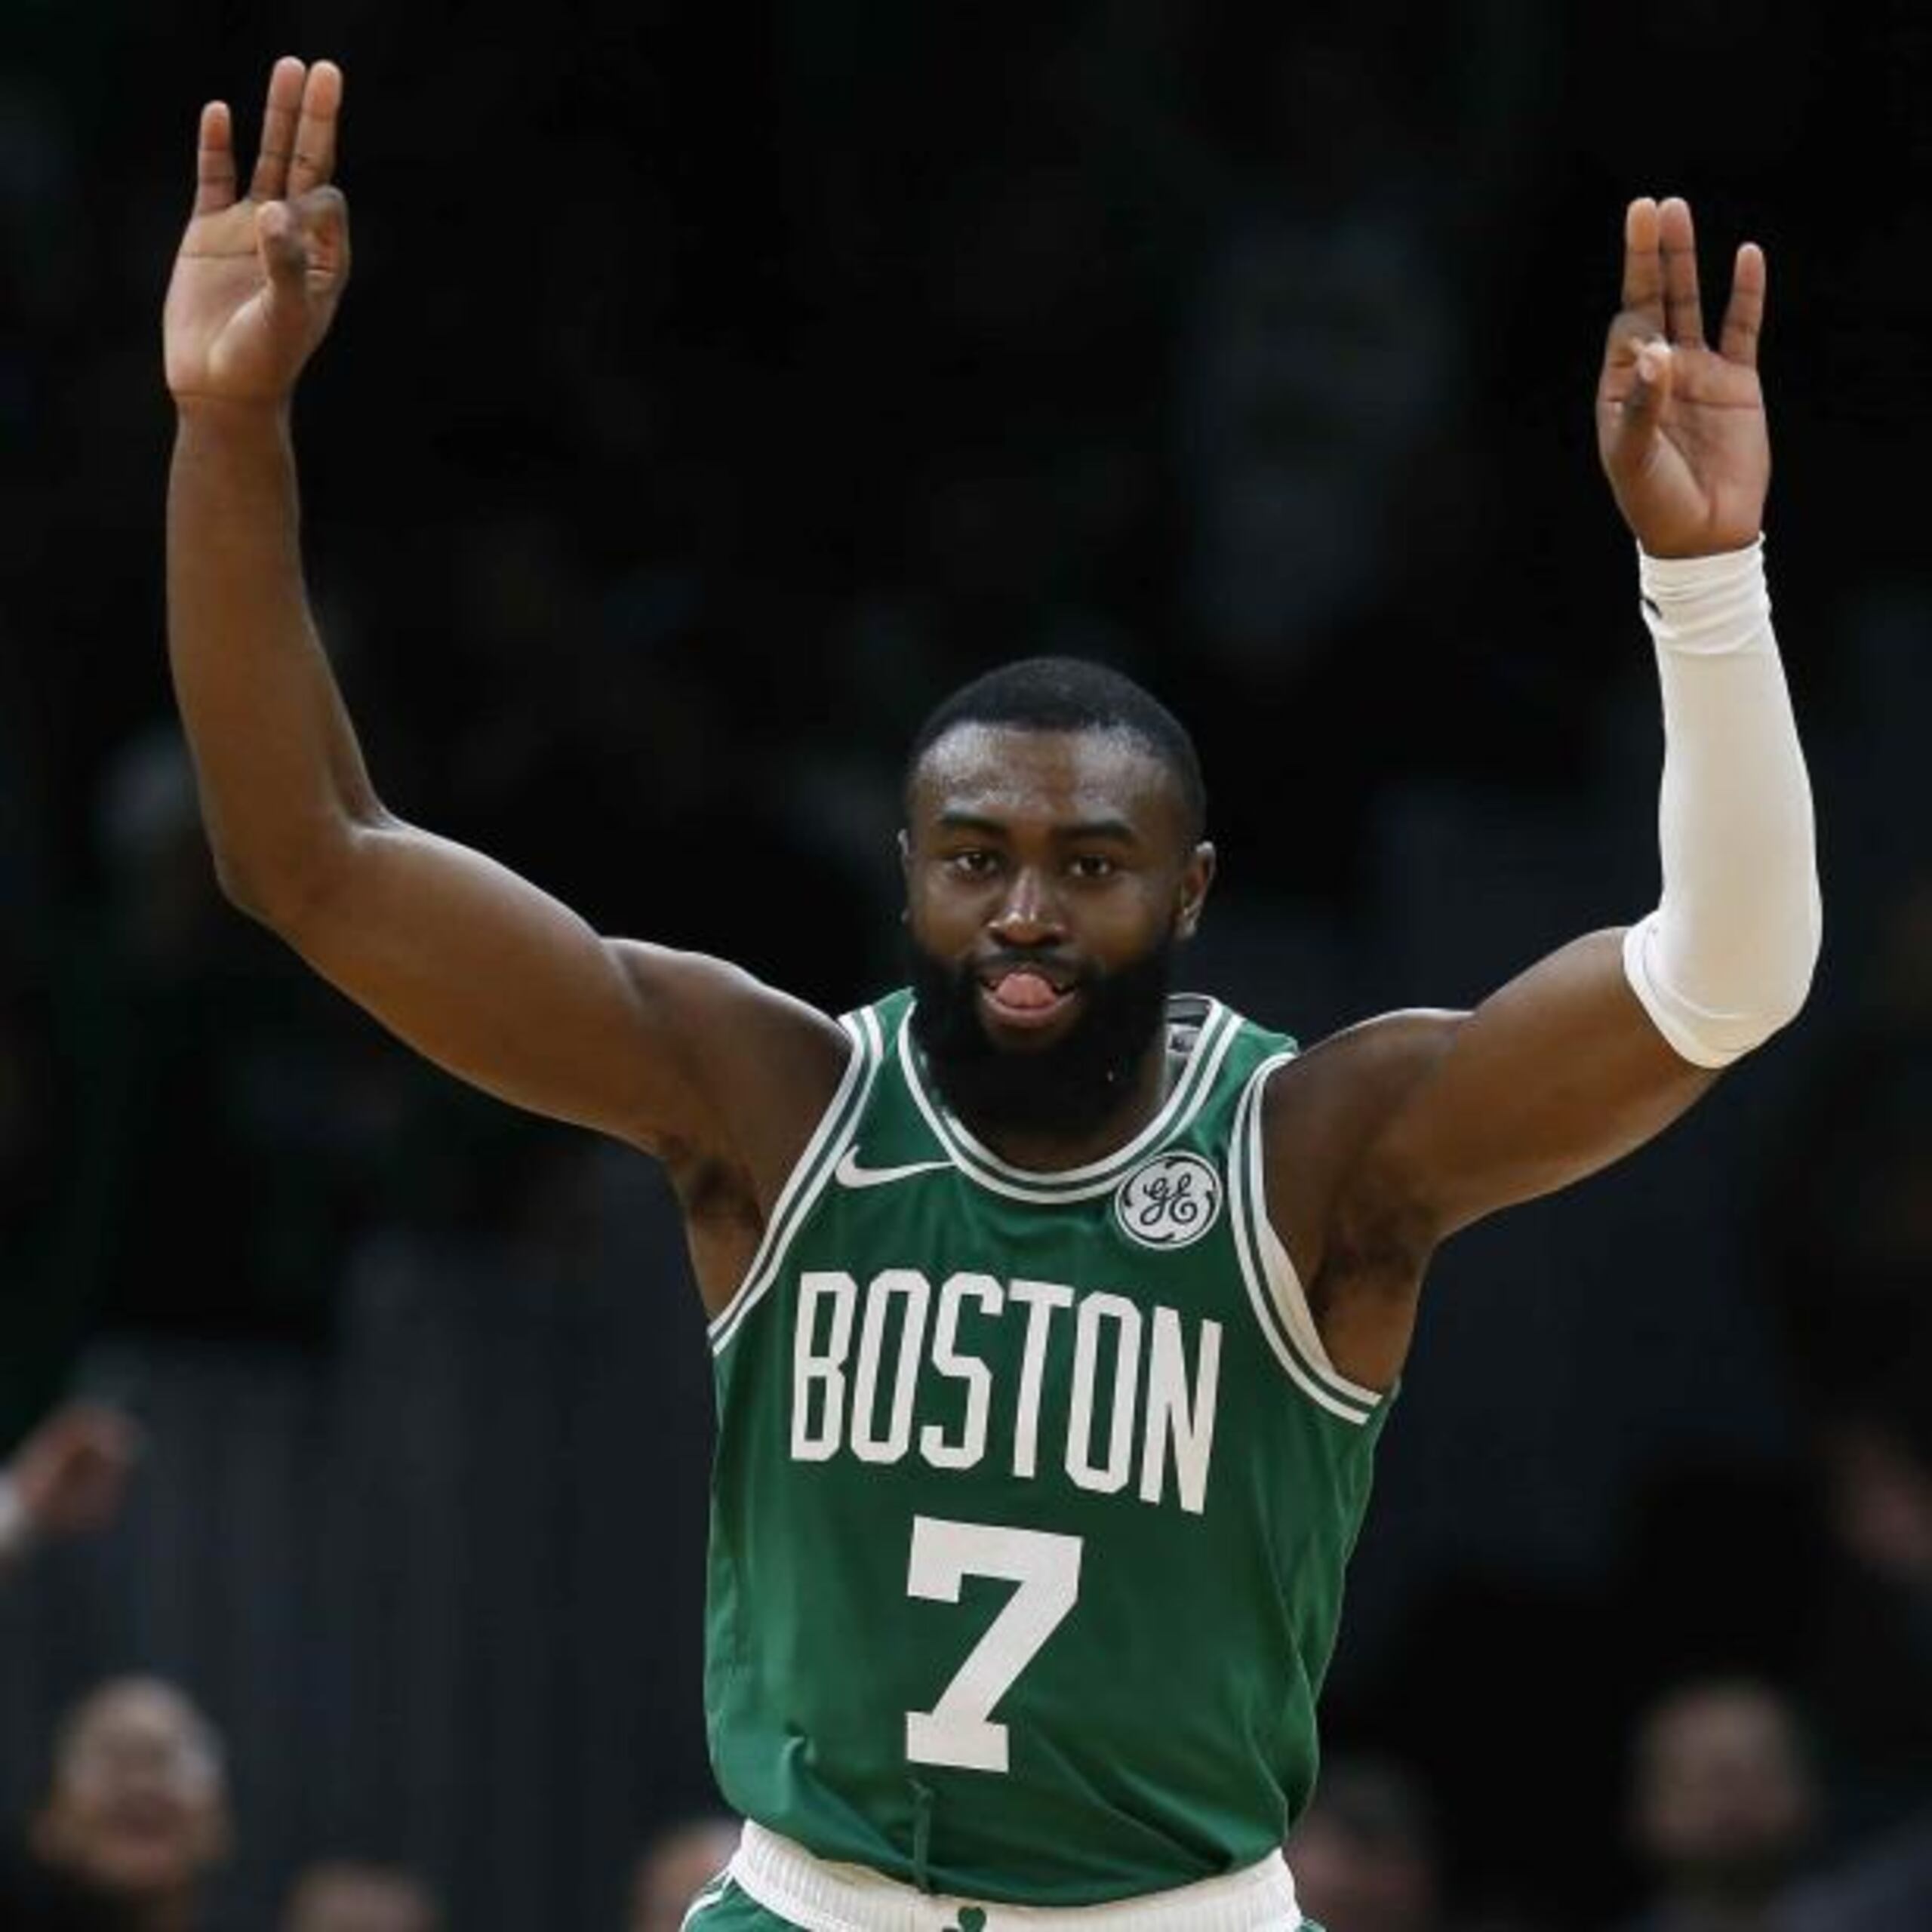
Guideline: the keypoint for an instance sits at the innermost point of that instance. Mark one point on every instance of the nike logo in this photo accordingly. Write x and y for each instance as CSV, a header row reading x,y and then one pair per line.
x,y
849,1174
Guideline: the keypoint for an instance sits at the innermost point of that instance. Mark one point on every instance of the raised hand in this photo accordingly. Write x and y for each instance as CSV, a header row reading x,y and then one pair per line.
x,y
257,280
71,1471
1681,425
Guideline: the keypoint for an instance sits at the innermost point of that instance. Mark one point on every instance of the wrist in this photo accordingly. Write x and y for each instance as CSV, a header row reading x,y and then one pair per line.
x,y
1692,566
1708,604
206,418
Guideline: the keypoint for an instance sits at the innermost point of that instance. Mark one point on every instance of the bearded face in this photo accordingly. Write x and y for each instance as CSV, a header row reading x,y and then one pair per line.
x,y
1050,875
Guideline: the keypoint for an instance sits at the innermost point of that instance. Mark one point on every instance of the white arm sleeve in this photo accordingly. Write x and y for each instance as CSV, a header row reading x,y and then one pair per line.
x,y
1726,958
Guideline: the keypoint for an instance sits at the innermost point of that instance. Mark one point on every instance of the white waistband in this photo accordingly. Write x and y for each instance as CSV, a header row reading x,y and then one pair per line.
x,y
785,1879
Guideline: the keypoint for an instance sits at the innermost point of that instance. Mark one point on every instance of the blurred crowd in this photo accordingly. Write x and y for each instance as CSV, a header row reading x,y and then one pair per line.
x,y
1727,1807
135,1821
719,387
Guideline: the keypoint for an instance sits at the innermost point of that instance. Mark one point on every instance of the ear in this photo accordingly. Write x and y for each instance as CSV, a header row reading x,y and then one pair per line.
x,y
1196,877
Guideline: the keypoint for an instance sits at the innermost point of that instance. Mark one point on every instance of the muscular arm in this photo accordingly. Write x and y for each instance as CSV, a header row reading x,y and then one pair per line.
x,y
1390,1138
474,967
486,975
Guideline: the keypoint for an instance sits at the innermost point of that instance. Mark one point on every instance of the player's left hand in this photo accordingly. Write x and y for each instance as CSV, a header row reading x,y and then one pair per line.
x,y
1681,424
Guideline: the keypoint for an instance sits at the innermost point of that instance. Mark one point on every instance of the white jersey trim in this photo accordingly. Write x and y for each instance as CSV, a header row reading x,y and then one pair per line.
x,y
807,1180
712,1893
822,1897
1219,1028
1274,1288
1283,1280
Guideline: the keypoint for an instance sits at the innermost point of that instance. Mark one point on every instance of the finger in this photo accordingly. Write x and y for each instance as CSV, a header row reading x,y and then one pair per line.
x,y
1683,312
314,161
284,255
214,161
1744,314
1641,408
321,220
271,177
1643,267
1630,332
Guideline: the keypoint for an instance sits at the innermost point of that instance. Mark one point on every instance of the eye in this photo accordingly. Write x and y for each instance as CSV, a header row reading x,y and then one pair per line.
x,y
974,862
1093,865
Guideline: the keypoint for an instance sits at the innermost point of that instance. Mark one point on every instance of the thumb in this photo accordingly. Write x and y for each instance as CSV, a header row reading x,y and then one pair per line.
x,y
1649,385
285,257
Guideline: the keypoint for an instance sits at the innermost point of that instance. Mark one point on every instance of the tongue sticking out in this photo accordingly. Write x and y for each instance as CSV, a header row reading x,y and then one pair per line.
x,y
1026,993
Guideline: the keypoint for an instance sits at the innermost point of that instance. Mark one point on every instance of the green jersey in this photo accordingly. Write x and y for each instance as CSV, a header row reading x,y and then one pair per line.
x,y
1032,1496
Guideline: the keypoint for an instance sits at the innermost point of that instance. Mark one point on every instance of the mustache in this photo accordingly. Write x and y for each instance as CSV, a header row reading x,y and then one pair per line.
x,y
1064,972
1071,1084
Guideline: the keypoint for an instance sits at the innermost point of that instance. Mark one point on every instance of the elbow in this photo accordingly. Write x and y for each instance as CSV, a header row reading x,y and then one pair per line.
x,y
240,888
1788,1000
262,893
1715,1005
279,891
1788,964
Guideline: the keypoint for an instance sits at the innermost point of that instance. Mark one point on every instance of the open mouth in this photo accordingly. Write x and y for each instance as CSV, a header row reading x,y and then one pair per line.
x,y
1026,996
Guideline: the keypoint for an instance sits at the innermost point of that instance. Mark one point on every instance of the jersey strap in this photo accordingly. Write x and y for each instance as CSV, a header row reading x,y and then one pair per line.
x,y
807,1180
1274,1288
822,1897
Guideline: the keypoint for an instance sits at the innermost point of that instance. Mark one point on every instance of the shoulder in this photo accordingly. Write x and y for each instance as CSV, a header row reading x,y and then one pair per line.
x,y
1322,1110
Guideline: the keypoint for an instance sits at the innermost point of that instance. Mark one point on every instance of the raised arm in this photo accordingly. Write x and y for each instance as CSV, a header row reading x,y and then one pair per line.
x,y
1388,1139
479,970
67,1478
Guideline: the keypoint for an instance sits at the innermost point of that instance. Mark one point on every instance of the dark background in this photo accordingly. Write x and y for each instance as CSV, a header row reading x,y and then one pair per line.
x,y
719,387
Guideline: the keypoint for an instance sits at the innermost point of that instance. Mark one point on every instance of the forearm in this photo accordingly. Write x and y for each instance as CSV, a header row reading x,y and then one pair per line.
x,y
282,780
1727,957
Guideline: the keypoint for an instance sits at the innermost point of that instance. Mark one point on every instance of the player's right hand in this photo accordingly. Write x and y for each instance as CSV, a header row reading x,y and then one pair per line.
x,y
257,281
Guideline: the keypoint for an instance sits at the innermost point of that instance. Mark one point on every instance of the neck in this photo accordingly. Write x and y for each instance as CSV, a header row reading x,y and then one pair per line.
x,y
1052,1153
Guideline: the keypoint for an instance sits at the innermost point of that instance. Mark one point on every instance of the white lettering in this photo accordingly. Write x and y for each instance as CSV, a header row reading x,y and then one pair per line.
x,y
1173,1425
1042,1300
1111,1474
948,1362
893,1283
880,1373
812,1368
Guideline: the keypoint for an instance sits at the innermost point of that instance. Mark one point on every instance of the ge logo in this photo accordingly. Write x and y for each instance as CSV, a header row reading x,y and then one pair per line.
x,y
1170,1201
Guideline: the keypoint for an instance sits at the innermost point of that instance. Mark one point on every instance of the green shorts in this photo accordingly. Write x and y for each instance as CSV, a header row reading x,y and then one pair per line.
x,y
724,1905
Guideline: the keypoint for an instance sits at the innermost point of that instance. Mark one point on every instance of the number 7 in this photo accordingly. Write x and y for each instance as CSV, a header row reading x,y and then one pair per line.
x,y
958,1730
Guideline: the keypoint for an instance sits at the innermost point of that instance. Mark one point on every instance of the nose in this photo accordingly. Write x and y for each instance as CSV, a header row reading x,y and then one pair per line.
x,y
1029,914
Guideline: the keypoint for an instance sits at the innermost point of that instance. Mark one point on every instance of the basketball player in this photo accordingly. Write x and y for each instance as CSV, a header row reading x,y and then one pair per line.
x,y
1055,1318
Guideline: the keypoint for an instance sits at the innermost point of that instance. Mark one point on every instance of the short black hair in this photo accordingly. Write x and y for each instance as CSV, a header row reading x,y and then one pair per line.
x,y
1071,694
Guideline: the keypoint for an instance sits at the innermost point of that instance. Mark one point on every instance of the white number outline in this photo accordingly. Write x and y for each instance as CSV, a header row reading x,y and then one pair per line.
x,y
958,1730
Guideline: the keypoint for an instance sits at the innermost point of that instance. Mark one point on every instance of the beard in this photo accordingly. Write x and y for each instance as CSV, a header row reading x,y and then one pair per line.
x,y
1068,1087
